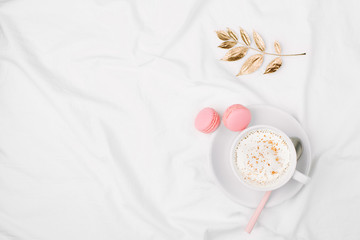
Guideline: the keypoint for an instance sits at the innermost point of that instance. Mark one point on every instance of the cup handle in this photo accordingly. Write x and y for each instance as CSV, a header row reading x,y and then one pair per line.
x,y
300,177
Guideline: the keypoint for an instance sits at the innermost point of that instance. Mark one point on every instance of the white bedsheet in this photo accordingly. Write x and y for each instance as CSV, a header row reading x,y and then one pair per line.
x,y
98,98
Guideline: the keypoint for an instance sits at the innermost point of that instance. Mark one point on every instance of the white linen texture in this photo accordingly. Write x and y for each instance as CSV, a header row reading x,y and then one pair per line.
x,y
98,100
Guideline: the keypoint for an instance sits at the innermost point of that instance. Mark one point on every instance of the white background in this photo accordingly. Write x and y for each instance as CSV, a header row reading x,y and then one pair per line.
x,y
98,99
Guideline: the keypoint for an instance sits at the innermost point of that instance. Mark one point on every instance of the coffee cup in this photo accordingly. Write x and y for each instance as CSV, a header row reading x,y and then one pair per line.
x,y
264,158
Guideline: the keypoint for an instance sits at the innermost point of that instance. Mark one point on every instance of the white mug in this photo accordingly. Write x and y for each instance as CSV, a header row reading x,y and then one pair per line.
x,y
291,171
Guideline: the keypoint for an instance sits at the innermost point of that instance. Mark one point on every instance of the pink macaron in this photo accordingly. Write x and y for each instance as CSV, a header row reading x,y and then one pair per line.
x,y
236,117
207,120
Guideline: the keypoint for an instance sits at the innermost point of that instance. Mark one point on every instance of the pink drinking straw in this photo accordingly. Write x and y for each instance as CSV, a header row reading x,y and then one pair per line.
x,y
257,212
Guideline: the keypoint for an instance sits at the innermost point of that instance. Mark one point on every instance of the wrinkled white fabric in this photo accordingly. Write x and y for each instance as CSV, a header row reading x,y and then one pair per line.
x,y
98,99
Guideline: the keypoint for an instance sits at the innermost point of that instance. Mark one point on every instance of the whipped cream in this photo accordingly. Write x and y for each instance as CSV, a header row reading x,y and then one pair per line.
x,y
262,157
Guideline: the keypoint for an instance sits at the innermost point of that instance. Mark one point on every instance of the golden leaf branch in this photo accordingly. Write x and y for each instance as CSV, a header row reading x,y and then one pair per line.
x,y
254,62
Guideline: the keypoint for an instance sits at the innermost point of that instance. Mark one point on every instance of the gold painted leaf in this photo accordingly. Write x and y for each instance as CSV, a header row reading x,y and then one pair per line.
x,y
273,66
277,47
223,35
252,64
232,34
259,41
227,44
235,54
245,37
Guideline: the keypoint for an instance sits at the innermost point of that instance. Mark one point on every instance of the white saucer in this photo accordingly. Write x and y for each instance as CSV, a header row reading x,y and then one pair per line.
x,y
220,164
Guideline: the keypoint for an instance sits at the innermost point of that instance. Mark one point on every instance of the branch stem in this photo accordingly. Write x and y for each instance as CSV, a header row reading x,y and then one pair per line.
x,y
274,54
